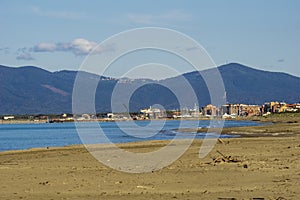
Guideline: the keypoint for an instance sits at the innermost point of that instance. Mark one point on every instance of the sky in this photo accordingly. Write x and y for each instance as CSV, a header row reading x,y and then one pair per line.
x,y
59,35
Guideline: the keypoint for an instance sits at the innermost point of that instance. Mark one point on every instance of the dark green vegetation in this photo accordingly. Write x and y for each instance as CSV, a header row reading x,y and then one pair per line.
x,y
31,90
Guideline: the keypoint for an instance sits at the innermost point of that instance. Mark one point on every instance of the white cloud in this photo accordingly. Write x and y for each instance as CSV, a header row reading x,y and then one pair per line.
x,y
25,56
82,46
44,47
79,46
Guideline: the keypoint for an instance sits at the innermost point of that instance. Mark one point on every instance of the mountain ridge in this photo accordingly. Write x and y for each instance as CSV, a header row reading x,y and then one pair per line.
x,y
33,90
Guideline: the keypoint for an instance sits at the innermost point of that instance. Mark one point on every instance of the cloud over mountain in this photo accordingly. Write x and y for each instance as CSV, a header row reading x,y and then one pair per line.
x,y
25,56
78,47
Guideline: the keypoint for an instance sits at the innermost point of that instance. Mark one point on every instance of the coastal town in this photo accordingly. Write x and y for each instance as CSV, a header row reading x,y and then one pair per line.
x,y
227,111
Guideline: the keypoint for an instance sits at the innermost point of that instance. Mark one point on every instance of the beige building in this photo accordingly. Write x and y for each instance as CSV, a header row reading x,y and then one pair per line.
x,y
240,110
211,110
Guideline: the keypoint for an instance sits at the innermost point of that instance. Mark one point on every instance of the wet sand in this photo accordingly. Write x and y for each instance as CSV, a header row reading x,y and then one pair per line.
x,y
240,168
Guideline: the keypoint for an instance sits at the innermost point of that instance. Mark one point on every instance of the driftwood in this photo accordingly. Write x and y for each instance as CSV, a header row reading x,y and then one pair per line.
x,y
221,141
224,158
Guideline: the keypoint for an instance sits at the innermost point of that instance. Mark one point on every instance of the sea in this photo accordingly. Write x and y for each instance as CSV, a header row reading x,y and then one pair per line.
x,y
42,135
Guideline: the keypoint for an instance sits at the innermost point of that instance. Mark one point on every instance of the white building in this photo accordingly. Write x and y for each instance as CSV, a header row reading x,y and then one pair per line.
x,y
8,117
153,113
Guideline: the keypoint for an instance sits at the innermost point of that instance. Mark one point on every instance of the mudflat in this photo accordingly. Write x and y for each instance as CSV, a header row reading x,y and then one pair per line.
x,y
256,167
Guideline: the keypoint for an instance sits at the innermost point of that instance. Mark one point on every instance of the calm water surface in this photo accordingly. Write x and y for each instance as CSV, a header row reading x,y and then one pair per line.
x,y
24,136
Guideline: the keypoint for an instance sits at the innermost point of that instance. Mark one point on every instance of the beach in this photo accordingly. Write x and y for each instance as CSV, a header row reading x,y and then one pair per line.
x,y
262,164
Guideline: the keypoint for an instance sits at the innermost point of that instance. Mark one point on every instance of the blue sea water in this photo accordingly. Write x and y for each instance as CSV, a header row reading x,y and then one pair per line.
x,y
24,136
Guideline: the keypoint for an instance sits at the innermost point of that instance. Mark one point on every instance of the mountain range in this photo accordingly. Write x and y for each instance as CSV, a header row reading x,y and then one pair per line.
x,y
32,90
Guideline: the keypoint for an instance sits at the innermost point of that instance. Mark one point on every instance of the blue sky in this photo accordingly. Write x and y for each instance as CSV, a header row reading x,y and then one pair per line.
x,y
260,34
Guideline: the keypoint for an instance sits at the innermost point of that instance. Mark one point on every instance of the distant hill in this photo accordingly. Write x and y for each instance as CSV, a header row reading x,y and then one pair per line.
x,y
251,86
32,90
244,84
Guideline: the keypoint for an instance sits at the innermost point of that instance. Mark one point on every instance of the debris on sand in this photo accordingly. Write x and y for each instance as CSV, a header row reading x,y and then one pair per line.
x,y
224,158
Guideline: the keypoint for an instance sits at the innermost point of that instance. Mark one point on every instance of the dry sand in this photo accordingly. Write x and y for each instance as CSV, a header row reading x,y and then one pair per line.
x,y
250,168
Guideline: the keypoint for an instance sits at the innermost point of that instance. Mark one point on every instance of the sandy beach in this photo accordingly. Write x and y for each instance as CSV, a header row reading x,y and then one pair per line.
x,y
263,164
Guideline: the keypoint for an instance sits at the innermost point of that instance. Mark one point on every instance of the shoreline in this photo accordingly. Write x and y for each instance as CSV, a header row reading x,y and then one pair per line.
x,y
283,127
268,129
51,147
14,121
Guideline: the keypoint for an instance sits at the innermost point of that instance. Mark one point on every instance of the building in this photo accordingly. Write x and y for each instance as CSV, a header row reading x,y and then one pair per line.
x,y
235,110
250,110
230,109
211,111
293,107
152,113
8,117
274,107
